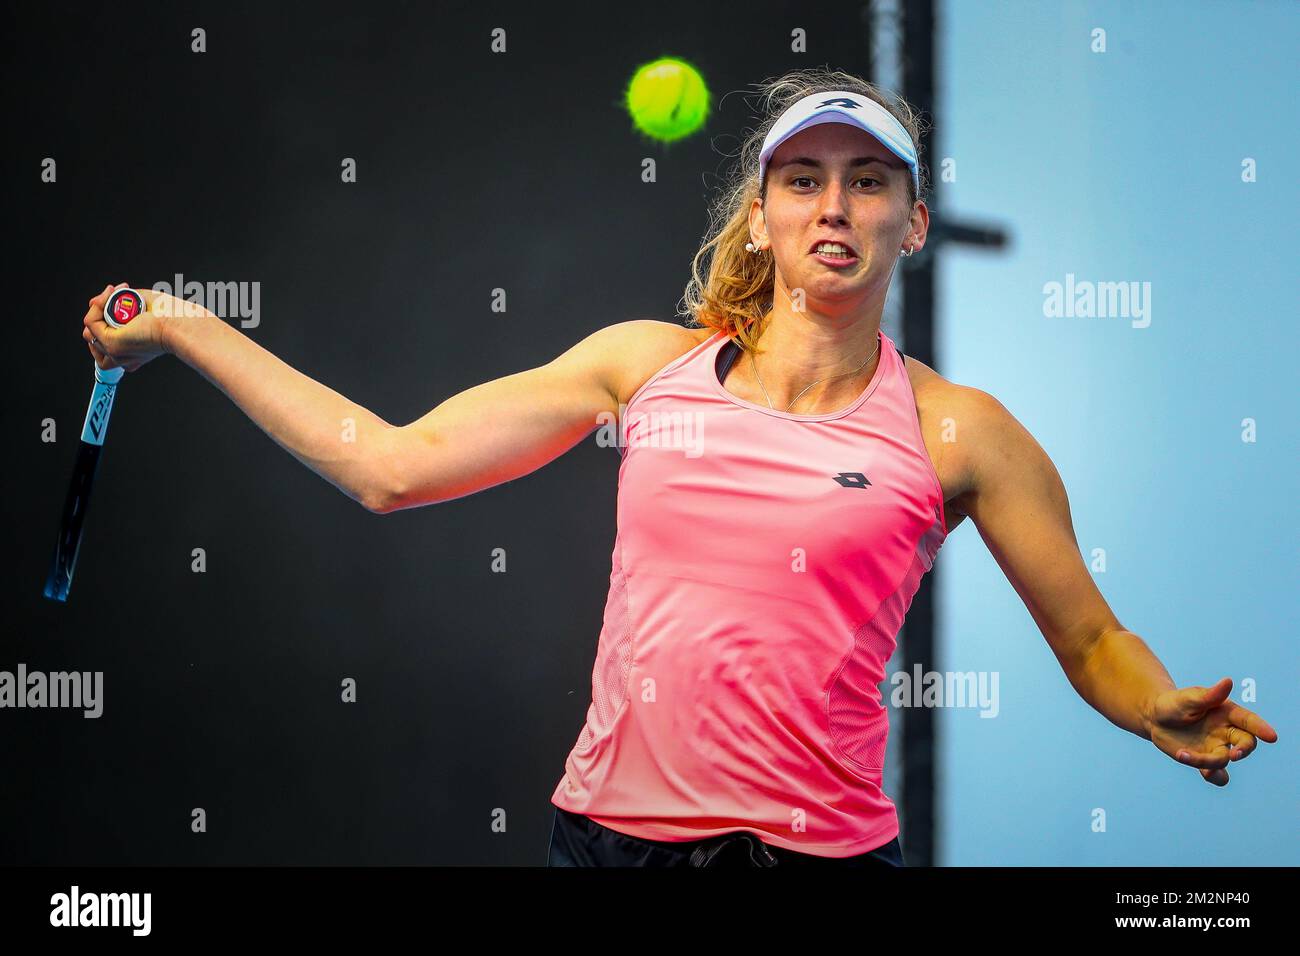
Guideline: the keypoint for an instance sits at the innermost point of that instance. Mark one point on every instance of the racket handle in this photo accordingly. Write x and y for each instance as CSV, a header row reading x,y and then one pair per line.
x,y
59,580
95,427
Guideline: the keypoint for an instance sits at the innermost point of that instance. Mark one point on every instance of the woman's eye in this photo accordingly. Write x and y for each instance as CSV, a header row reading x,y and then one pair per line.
x,y
808,179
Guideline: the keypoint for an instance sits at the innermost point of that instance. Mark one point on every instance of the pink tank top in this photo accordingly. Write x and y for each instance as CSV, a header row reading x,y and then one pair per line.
x,y
763,565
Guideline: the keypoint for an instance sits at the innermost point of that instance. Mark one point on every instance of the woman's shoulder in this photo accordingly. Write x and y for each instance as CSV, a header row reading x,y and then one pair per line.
x,y
646,345
961,426
940,400
932,388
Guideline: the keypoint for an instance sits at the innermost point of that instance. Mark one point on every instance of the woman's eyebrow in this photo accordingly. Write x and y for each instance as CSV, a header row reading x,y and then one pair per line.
x,y
816,164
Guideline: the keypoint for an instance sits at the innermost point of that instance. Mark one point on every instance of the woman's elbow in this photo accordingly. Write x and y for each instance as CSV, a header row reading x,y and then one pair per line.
x,y
380,495
388,494
383,491
378,503
385,494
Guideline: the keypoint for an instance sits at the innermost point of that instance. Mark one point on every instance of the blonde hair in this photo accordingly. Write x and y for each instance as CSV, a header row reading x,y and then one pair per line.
x,y
737,292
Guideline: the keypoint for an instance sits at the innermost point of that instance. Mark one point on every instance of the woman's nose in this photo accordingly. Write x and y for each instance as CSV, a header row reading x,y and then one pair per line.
x,y
832,203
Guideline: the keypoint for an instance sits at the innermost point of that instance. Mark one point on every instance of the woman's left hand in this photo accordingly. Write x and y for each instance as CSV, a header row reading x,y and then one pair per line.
x,y
1200,727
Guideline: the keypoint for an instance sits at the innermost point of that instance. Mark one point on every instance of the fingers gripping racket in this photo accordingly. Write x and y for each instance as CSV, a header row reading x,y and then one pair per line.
x,y
122,306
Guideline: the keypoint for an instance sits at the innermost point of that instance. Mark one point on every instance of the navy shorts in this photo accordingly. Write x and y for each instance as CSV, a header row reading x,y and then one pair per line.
x,y
577,840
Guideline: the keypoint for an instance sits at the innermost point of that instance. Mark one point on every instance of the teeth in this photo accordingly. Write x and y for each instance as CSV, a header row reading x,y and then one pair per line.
x,y
833,249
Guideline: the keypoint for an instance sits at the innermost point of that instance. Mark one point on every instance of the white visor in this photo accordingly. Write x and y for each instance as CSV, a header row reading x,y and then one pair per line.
x,y
839,106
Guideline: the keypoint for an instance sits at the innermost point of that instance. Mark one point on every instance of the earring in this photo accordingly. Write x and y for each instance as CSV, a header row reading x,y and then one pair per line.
x,y
749,247
909,251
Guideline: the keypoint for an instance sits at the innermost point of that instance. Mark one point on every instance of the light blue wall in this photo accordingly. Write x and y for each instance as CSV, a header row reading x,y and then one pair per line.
x,y
1126,165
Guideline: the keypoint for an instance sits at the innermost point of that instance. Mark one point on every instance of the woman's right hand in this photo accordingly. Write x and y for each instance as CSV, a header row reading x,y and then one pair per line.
x,y
142,339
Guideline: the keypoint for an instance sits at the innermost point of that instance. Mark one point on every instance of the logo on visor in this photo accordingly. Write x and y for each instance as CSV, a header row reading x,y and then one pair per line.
x,y
843,101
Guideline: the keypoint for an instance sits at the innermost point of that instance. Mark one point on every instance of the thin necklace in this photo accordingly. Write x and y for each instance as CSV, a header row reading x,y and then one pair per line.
x,y
819,381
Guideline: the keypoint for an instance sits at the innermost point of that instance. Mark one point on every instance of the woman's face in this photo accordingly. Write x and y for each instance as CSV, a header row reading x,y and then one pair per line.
x,y
836,182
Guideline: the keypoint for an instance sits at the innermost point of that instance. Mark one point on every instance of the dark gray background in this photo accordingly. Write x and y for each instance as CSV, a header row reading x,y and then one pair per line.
x,y
476,171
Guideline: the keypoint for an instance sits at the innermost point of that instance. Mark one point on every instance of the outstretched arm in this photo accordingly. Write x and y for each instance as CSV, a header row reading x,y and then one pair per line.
x,y
1018,502
483,436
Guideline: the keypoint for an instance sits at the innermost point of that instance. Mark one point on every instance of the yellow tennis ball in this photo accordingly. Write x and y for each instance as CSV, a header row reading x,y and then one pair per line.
x,y
668,99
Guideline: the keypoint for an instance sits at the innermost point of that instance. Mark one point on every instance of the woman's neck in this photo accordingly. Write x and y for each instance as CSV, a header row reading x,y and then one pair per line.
x,y
797,350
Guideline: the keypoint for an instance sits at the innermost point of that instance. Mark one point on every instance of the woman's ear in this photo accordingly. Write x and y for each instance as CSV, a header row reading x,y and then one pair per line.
x,y
758,223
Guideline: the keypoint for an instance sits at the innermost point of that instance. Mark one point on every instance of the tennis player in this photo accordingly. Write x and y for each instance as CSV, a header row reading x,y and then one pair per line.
x,y
787,478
